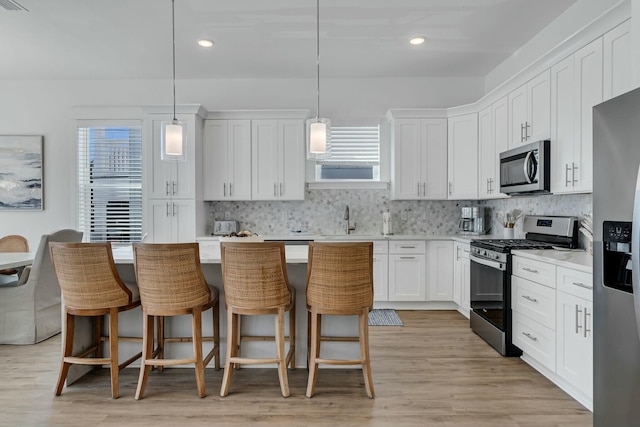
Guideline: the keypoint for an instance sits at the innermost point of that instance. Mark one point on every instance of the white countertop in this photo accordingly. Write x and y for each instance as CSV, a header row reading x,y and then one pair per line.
x,y
575,259
295,254
465,238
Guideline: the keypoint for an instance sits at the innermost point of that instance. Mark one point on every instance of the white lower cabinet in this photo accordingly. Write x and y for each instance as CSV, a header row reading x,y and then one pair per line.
x,y
552,323
439,270
380,270
461,277
575,324
171,221
407,266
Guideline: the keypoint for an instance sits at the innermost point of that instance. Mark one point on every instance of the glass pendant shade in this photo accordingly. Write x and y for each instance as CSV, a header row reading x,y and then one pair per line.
x,y
174,141
318,138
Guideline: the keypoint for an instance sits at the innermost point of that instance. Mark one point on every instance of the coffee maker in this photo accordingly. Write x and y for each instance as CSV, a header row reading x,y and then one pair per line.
x,y
472,220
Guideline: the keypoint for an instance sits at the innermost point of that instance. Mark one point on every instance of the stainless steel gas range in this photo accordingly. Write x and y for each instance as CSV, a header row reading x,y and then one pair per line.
x,y
491,275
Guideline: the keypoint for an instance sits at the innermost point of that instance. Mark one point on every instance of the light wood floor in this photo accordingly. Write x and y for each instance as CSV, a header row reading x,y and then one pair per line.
x,y
432,372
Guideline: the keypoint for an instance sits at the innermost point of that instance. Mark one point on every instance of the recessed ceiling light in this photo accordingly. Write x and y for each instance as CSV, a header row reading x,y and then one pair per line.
x,y
205,43
417,40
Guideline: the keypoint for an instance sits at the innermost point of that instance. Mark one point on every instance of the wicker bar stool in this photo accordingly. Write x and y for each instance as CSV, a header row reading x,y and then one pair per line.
x,y
339,282
256,283
171,283
91,286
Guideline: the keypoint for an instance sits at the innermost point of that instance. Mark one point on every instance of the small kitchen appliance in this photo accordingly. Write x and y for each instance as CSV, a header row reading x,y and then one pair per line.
x,y
472,220
221,228
490,276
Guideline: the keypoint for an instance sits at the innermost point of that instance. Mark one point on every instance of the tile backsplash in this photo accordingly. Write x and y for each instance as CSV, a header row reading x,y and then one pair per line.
x,y
322,212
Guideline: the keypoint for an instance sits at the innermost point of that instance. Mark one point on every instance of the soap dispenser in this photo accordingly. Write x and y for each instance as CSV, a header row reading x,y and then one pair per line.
x,y
386,223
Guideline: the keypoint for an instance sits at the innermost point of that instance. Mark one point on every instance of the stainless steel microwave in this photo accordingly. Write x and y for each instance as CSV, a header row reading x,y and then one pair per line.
x,y
526,170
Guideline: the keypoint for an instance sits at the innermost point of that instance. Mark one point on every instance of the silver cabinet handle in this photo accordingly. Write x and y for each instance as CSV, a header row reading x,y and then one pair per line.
x,y
407,247
418,189
173,187
424,188
573,173
567,181
527,297
522,138
488,186
530,270
166,188
407,257
224,190
586,322
578,311
526,130
167,209
275,189
450,188
457,253
531,337
582,285
230,190
173,208
281,189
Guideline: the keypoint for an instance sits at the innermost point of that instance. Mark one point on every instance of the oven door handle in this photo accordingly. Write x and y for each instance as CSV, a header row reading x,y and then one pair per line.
x,y
489,263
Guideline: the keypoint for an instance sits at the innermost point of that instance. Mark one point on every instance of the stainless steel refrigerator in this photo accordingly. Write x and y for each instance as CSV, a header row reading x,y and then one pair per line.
x,y
616,212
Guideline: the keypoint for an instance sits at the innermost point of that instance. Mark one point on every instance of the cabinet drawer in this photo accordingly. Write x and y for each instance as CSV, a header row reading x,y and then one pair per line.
x,y
577,283
407,246
535,301
535,340
537,271
380,247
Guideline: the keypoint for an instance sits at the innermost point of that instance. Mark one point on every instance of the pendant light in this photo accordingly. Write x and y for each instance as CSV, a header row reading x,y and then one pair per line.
x,y
318,129
174,132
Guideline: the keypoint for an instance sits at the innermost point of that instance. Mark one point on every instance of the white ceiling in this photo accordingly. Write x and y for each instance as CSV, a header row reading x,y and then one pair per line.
x,y
131,39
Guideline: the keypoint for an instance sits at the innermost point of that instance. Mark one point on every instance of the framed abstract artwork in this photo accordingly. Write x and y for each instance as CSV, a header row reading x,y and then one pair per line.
x,y
21,173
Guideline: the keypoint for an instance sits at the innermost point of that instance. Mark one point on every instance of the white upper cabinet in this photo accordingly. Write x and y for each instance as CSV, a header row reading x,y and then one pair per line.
x,y
419,159
278,159
463,157
529,111
493,139
170,179
617,61
227,160
577,86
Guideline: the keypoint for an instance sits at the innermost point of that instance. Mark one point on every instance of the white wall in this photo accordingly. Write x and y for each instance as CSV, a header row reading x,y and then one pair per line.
x,y
577,17
635,42
44,108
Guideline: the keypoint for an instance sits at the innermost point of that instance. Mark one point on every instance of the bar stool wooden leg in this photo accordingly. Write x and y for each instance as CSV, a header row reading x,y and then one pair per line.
x,y
314,352
231,351
160,338
97,334
196,324
282,364
147,354
67,346
364,352
238,339
216,334
113,351
292,337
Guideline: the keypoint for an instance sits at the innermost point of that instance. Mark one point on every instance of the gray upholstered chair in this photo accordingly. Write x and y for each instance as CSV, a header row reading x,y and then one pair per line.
x,y
31,312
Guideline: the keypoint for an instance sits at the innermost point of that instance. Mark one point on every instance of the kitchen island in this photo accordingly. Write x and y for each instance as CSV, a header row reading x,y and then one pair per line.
x,y
130,322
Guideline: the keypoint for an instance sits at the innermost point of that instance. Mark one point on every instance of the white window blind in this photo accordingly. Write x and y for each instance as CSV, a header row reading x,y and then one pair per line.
x,y
354,145
110,183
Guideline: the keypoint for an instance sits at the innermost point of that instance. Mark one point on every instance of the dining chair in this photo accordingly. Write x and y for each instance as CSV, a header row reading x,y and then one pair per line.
x,y
171,283
13,243
30,311
254,276
339,282
91,287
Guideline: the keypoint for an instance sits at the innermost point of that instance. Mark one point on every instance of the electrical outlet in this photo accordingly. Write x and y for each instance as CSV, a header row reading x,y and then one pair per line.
x,y
227,215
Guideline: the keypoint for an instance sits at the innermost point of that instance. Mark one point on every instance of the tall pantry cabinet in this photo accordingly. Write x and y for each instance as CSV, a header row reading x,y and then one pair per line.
x,y
172,191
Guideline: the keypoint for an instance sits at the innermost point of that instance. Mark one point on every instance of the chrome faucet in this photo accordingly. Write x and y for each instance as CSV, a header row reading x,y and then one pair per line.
x,y
349,228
